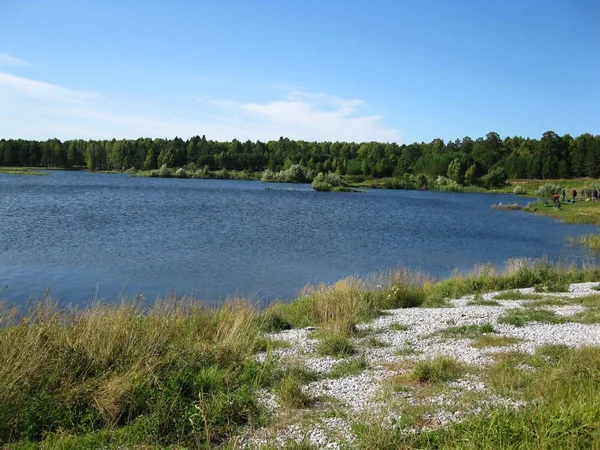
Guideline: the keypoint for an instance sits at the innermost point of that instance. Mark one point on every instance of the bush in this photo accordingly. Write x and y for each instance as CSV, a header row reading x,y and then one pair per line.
x,y
294,174
327,182
164,172
495,179
547,190
519,190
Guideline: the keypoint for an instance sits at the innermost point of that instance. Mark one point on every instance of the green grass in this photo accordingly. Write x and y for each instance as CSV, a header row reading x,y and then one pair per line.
x,y
373,342
399,327
561,394
338,346
591,241
591,314
481,302
547,301
173,372
407,350
288,388
437,370
491,340
348,368
520,317
176,373
466,331
517,295
21,171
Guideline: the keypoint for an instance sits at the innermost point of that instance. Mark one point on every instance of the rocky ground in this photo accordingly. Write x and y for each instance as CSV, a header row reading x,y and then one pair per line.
x,y
392,344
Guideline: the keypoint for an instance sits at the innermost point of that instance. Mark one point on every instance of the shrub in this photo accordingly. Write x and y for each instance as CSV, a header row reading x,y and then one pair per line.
x,y
519,190
327,182
164,171
294,174
494,179
547,190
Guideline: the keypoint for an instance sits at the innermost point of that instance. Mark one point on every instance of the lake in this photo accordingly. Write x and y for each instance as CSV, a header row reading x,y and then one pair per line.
x,y
87,236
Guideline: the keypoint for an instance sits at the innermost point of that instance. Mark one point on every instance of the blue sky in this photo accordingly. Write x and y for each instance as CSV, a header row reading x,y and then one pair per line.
x,y
339,70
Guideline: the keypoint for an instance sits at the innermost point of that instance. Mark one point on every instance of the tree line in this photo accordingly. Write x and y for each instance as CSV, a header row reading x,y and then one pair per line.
x,y
463,160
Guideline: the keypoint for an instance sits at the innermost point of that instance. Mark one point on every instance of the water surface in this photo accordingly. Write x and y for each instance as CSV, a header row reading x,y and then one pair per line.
x,y
86,236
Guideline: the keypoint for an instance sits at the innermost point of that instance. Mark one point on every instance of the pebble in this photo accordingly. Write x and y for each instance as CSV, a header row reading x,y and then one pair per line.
x,y
357,393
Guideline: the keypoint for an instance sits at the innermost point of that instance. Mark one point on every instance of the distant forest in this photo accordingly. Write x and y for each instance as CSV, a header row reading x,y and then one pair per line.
x,y
464,160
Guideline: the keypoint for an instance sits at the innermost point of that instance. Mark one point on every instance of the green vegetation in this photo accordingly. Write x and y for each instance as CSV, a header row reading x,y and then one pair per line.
x,y
335,345
175,373
288,387
561,408
591,241
399,327
493,340
349,368
466,331
519,317
437,370
130,374
461,165
517,295
20,171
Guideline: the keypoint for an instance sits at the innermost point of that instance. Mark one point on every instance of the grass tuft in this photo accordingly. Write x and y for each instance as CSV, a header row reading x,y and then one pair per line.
x,y
517,295
519,317
399,327
338,346
466,331
437,370
349,368
491,340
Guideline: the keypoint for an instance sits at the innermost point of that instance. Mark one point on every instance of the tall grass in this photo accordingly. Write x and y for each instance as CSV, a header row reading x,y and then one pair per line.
x,y
175,372
591,241
171,372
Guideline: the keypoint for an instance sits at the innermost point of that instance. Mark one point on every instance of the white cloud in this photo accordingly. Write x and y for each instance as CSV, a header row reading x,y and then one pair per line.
x,y
41,90
39,110
8,60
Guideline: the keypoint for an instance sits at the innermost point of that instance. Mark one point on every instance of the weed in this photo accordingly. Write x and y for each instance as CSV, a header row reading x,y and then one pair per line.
x,y
399,327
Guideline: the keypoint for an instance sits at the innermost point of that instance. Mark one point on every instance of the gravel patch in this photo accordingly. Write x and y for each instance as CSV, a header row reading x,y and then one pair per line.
x,y
358,393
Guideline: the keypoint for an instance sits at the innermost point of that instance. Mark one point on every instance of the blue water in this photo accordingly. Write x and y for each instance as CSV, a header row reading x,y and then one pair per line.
x,y
87,236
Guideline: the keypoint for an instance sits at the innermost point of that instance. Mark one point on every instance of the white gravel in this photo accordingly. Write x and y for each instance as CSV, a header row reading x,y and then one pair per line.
x,y
357,394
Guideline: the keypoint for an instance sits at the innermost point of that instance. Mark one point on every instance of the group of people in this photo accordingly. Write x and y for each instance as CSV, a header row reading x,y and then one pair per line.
x,y
556,197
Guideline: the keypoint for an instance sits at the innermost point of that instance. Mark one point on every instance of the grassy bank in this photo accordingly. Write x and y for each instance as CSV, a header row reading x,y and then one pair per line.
x,y
20,171
175,373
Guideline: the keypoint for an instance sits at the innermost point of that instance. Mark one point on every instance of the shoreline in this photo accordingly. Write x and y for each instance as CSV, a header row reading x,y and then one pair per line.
x,y
343,365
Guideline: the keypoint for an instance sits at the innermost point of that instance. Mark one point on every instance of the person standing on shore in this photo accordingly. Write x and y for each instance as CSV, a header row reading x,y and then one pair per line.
x,y
564,195
574,194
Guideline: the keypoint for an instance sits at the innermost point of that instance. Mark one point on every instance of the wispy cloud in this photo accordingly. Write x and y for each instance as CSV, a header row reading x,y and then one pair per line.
x,y
39,110
8,60
41,90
